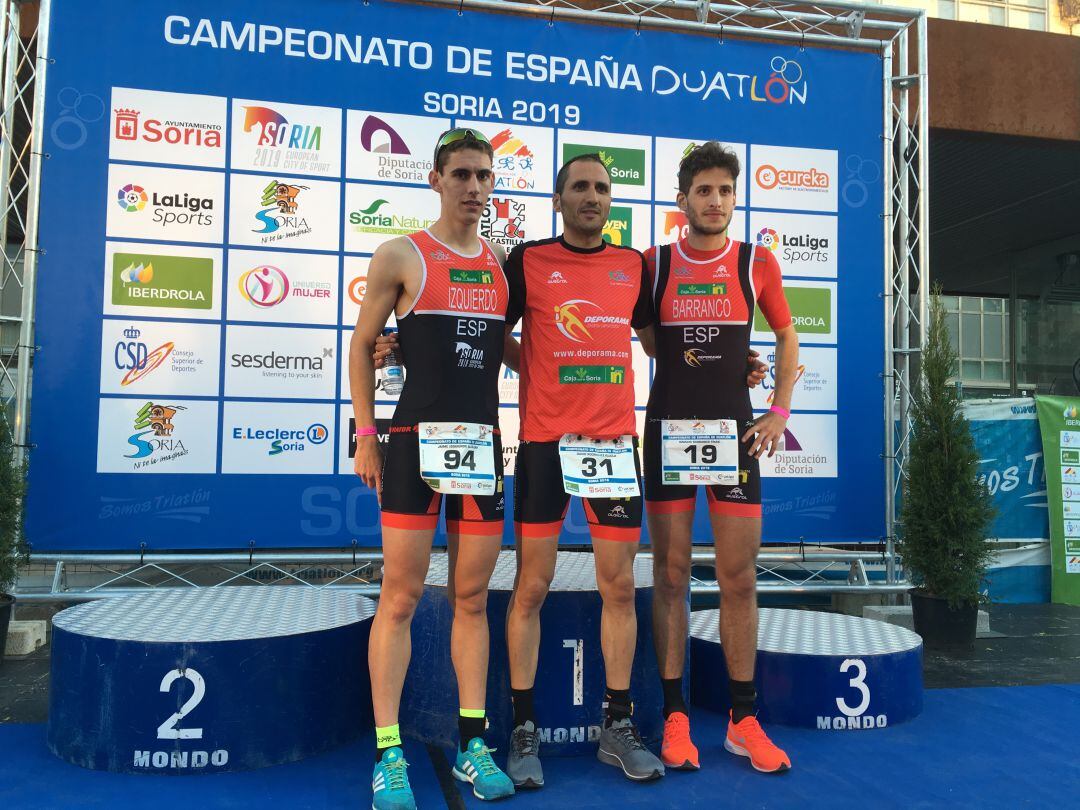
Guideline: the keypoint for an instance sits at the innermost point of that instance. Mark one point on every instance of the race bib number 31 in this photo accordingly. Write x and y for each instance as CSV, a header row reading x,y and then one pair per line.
x,y
594,468
700,451
457,457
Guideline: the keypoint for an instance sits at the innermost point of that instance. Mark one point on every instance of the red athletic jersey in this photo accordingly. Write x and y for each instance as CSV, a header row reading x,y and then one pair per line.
x,y
452,336
577,307
705,306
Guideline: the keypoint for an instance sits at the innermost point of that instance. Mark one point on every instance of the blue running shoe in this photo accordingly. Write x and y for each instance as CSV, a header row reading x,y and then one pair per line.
x,y
475,765
390,784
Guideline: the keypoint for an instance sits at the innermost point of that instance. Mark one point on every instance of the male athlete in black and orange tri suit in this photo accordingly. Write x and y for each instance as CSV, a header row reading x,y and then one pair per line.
x,y
450,295
578,297
705,288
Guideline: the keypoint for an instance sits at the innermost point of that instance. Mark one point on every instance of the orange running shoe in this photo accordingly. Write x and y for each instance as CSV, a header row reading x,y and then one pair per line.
x,y
677,751
747,739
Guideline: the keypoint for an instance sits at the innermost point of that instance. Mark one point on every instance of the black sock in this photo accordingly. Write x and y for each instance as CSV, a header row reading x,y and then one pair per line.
x,y
743,696
469,727
523,706
673,696
619,706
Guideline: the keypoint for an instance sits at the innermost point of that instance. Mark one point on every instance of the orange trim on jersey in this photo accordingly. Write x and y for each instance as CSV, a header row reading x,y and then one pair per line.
x,y
469,509
400,520
476,528
621,534
551,529
670,507
743,510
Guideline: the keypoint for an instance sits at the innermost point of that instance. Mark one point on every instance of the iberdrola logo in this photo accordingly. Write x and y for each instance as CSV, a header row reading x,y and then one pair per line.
x,y
1072,412
570,321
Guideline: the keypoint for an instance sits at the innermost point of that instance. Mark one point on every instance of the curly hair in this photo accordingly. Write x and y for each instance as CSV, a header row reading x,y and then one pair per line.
x,y
709,155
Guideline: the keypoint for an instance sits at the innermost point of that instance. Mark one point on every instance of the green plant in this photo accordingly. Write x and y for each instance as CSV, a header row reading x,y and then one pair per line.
x,y
945,511
13,550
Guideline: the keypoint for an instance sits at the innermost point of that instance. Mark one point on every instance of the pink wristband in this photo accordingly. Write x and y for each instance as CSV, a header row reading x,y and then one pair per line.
x,y
367,431
781,411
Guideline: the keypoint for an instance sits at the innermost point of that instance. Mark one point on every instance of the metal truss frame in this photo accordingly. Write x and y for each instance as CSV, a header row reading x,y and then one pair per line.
x,y
898,35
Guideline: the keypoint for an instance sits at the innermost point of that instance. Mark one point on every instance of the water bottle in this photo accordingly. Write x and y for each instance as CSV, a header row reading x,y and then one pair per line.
x,y
391,375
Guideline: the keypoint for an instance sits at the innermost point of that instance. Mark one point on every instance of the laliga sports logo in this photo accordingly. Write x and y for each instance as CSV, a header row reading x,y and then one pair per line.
x,y
768,238
131,198
264,286
569,321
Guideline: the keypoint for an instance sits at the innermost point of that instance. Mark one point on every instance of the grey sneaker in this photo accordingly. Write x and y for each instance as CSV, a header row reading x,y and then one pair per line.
x,y
523,764
621,746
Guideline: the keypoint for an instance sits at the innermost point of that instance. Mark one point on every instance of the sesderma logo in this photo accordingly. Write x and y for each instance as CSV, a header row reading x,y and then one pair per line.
x,y
811,311
620,225
614,375
173,282
626,166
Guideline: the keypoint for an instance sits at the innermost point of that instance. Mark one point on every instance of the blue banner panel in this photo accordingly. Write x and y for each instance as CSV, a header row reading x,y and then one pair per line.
x,y
218,177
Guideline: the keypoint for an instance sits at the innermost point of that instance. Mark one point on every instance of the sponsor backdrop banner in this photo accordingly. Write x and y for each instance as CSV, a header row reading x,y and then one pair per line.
x,y
1011,465
219,176
1059,422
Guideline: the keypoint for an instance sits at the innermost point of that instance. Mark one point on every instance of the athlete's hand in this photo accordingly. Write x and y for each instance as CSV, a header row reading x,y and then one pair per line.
x,y
384,344
368,463
765,434
755,369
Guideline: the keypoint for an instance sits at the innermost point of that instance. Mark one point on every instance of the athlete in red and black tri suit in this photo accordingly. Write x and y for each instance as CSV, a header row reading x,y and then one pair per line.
x,y
705,289
448,290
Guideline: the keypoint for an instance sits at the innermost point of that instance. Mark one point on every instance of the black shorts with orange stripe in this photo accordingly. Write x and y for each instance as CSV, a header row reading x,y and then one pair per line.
x,y
540,502
409,503
740,500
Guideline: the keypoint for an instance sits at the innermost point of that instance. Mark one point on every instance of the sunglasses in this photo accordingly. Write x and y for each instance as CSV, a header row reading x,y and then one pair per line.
x,y
459,134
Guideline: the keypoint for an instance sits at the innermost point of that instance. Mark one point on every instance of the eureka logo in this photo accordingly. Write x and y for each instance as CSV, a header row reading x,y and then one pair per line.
x,y
626,166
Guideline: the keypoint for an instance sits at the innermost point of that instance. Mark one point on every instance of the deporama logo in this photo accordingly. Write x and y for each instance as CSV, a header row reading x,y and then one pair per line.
x,y
556,278
568,320
576,324
695,357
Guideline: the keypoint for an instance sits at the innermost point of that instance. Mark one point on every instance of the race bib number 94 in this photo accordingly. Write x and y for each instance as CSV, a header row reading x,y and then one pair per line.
x,y
457,457
594,468
698,451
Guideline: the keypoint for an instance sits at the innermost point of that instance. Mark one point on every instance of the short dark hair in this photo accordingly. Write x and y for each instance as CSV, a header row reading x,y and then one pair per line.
x,y
560,178
709,155
457,146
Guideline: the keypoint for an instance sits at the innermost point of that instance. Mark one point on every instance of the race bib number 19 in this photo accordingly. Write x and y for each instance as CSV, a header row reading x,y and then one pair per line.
x,y
700,451
594,468
457,457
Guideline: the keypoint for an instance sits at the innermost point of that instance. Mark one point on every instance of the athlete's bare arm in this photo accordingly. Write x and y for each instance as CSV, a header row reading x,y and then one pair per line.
x,y
647,336
768,428
393,276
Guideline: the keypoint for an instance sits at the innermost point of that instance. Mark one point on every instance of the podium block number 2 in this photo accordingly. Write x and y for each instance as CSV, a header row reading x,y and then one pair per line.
x,y
168,730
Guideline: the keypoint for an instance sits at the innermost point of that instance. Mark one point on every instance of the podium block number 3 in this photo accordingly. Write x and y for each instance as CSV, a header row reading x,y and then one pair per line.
x,y
168,730
858,681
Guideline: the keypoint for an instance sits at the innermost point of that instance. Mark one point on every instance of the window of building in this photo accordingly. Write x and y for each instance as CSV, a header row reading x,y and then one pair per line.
x,y
979,333
1029,14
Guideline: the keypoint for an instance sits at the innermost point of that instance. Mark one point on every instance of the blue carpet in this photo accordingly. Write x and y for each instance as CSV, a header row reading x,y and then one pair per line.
x,y
987,748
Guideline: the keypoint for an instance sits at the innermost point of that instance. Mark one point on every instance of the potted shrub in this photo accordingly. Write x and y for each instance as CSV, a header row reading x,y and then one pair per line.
x,y
12,547
946,511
